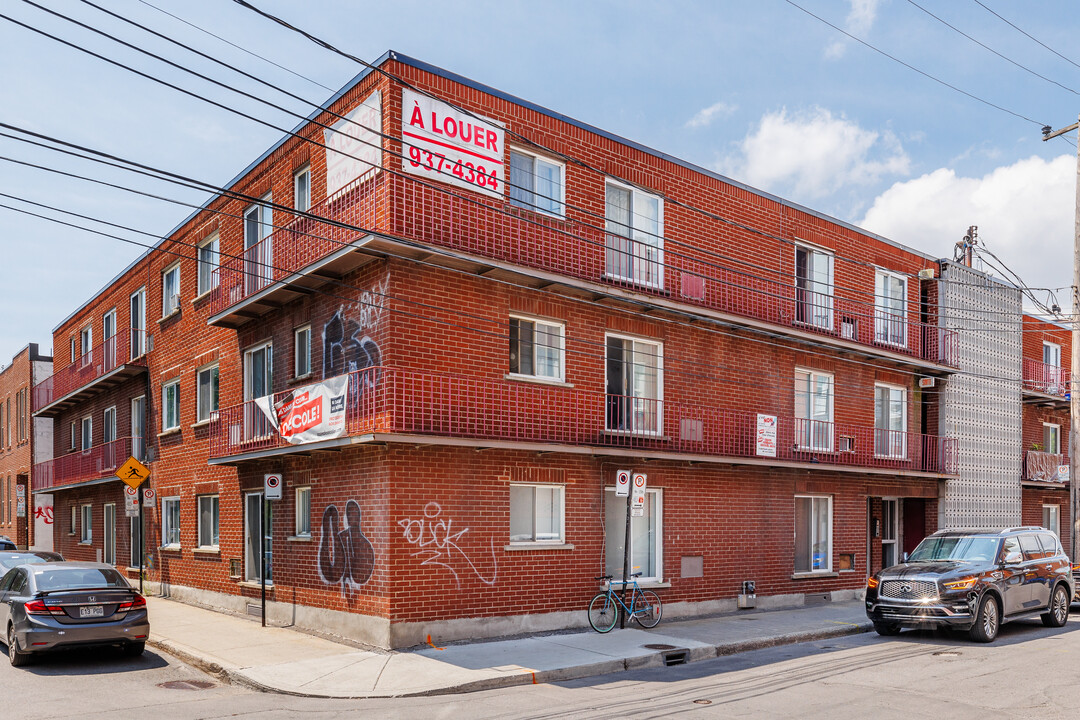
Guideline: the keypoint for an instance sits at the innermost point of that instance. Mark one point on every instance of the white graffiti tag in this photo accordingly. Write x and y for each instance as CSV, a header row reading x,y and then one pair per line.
x,y
437,541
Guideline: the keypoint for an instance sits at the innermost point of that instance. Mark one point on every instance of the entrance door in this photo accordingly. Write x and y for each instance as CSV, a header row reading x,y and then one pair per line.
x,y
110,533
253,508
258,380
914,514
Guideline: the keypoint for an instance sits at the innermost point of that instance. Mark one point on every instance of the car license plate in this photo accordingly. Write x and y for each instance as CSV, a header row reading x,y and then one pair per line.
x,y
89,611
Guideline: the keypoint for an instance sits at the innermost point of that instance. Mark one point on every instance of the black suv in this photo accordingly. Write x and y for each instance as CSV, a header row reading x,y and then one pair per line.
x,y
974,580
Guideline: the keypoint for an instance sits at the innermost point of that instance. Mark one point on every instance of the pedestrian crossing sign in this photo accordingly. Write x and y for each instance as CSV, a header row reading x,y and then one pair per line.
x,y
133,472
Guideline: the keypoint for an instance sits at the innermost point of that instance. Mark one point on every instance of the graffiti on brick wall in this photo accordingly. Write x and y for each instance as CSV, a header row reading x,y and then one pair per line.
x,y
346,556
347,337
437,542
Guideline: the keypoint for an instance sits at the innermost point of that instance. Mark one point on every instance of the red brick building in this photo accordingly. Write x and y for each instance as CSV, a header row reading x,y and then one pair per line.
x,y
523,305
24,440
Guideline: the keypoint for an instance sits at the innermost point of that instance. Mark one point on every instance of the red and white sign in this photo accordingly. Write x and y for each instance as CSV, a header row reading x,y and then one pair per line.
x,y
622,483
272,486
131,501
441,143
637,495
148,497
766,435
311,413
354,145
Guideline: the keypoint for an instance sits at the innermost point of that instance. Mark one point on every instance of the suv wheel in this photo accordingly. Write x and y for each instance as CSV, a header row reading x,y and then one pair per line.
x,y
987,620
886,629
1058,612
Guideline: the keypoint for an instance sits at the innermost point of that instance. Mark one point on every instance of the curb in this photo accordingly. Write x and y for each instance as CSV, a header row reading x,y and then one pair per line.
x,y
236,676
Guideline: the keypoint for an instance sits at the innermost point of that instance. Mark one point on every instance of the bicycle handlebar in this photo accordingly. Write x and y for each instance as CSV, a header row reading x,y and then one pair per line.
x,y
612,577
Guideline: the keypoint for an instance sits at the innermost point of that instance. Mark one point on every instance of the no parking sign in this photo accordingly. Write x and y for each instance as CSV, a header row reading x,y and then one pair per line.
x,y
272,486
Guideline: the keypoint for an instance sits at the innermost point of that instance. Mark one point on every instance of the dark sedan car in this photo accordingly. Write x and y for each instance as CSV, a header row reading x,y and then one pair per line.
x,y
9,559
57,606
974,580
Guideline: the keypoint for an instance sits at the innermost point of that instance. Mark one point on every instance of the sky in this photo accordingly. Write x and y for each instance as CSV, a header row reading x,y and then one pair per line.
x,y
759,91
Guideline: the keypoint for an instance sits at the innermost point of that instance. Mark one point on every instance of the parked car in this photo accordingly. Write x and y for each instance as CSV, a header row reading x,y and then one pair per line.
x,y
7,544
974,580
50,606
9,560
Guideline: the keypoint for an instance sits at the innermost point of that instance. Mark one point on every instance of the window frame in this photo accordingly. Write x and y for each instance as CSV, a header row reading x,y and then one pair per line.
x,y
165,406
1057,437
814,375
561,491
74,443
658,400
1057,351
534,205
137,321
828,321
215,392
301,531
206,278
561,377
86,524
812,525
86,434
657,494
215,530
167,309
297,331
297,174
73,529
86,341
166,522
106,425
635,254
903,431
1056,515
884,316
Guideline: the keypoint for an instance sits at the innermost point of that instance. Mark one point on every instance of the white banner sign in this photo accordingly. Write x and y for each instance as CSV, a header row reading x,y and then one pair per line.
x,y
353,145
766,435
453,147
311,413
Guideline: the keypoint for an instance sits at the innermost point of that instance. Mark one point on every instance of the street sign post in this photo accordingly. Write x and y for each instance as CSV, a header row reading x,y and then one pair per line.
x,y
622,483
134,474
272,483
634,507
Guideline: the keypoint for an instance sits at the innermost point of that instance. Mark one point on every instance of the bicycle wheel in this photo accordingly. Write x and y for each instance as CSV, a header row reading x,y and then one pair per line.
x,y
647,608
603,613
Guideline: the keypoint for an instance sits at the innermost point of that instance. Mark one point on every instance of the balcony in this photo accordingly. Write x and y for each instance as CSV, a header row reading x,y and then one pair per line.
x,y
113,361
389,404
1045,384
85,467
1042,467
402,215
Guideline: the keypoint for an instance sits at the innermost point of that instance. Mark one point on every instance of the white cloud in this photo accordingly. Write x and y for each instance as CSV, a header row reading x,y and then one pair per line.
x,y
1024,212
859,21
705,116
812,154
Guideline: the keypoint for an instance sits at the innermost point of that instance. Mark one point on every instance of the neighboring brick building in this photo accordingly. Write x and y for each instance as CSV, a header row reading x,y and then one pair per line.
x,y
24,440
507,353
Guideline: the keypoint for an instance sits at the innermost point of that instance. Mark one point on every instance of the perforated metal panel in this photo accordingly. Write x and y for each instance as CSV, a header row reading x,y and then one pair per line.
x,y
981,405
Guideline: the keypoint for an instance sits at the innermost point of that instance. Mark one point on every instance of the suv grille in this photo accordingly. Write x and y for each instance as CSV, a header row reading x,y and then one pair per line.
x,y
908,589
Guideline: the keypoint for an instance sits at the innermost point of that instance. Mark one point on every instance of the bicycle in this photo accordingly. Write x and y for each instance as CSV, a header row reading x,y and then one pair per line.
x,y
645,606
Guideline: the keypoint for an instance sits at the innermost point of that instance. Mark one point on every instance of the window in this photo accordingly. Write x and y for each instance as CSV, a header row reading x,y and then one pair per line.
x,y
1052,519
87,435
209,258
813,410
258,246
170,290
302,351
138,323
3,427
206,401
890,309
302,189
87,526
646,536
258,374
813,287
890,421
109,451
170,522
813,534
536,513
635,243
170,405
634,385
536,183
86,341
303,512
1051,354
1051,438
74,434
536,348
108,342
138,427
890,530
208,522
74,520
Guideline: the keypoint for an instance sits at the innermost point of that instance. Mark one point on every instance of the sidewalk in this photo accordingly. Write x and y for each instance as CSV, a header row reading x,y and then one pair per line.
x,y
287,661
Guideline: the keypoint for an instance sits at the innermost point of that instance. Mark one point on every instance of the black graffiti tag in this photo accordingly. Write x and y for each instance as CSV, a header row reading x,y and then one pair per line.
x,y
345,350
346,556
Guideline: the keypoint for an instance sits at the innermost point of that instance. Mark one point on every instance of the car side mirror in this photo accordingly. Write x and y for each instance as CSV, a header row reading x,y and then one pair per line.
x,y
905,557
1013,558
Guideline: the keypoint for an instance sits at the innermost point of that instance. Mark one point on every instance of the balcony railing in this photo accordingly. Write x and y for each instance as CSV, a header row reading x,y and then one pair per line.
x,y
403,207
84,465
393,401
1043,466
1043,378
117,351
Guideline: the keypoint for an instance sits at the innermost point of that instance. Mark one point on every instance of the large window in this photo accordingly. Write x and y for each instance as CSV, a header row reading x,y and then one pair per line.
x,y
302,189
536,513
1052,519
258,374
813,410
302,351
207,398
208,521
1051,438
87,436
138,323
209,257
170,405
890,308
646,537
258,247
890,421
536,348
634,385
813,534
86,342
813,287
170,522
170,290
536,183
1053,381
87,527
303,512
635,228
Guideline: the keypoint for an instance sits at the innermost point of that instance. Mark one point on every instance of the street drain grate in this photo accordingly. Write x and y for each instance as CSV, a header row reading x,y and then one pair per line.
x,y
947,653
703,701
658,646
186,685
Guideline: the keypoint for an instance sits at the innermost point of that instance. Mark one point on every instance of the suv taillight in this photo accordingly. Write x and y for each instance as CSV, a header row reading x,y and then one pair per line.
x,y
136,603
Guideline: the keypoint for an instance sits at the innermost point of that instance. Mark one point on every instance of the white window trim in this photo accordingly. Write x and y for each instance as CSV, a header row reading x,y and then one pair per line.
x,y
1053,345
74,443
164,407
562,184
1057,512
562,349
141,326
1058,428
659,234
879,310
831,309
296,347
296,177
86,433
904,431
199,522
828,568
658,503
832,409
561,540
659,386
74,520
296,512
105,424
104,320
212,278
164,522
86,529
198,395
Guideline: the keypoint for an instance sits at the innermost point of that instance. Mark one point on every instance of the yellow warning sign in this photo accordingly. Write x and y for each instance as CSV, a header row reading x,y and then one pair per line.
x,y
133,472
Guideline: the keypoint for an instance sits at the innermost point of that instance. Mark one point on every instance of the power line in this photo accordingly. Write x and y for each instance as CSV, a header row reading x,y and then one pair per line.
x,y
1029,36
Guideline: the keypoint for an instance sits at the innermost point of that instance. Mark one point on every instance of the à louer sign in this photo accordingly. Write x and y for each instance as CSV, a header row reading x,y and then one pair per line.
x,y
311,413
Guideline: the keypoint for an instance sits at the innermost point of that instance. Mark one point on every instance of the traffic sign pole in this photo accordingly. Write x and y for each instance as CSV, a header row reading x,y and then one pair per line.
x,y
142,544
262,556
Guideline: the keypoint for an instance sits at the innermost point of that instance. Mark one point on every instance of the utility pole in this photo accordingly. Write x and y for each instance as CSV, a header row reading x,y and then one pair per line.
x,y
1074,364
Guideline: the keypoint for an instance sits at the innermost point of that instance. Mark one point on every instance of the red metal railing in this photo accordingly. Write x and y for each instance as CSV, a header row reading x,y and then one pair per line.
x,y
1049,379
118,350
402,207
1043,466
388,400
82,465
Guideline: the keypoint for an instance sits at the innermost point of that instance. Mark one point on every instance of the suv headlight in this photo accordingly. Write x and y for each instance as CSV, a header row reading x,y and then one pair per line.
x,y
964,584
872,583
